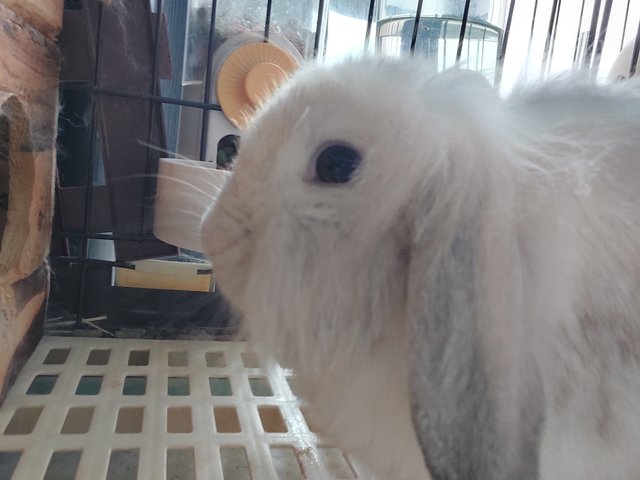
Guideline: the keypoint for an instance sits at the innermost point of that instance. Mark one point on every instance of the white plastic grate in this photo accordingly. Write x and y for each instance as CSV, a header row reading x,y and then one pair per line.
x,y
145,409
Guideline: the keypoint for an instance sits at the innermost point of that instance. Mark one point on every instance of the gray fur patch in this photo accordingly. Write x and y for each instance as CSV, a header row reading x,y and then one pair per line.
x,y
454,404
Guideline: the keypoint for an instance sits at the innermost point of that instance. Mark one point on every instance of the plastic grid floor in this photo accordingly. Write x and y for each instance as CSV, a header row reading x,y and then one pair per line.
x,y
146,409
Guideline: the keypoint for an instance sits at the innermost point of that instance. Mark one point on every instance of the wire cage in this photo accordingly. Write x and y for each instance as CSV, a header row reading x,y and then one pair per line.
x,y
139,94
138,84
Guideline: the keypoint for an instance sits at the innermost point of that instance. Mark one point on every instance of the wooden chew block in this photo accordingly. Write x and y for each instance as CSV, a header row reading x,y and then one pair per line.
x,y
44,15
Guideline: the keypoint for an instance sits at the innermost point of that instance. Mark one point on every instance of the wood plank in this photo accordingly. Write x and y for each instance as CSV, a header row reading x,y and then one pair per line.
x,y
165,275
44,15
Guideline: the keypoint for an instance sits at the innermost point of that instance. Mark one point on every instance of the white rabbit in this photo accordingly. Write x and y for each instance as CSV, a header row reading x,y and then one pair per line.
x,y
454,277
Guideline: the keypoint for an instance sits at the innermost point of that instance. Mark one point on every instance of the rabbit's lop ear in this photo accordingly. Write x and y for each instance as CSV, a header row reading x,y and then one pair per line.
x,y
466,427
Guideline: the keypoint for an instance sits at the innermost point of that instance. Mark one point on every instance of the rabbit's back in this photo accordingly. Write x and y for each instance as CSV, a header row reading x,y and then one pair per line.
x,y
588,337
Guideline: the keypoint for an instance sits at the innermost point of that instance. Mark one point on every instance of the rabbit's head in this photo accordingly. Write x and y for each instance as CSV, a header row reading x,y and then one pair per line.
x,y
312,236
353,189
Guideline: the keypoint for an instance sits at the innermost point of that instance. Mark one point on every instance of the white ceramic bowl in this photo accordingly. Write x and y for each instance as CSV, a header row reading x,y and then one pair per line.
x,y
186,189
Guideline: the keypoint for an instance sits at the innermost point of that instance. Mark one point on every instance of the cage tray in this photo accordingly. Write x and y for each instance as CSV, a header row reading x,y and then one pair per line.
x,y
122,409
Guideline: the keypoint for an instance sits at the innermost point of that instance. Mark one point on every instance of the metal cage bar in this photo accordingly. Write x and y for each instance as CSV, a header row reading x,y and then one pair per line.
x,y
267,20
591,37
533,26
624,25
553,22
88,200
553,38
207,80
103,236
367,35
636,53
109,92
86,261
577,44
320,20
416,25
152,109
505,42
463,28
602,34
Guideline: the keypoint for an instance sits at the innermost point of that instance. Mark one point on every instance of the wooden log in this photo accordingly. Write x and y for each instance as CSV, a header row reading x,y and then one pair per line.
x,y
29,66
44,15
26,236
22,309
29,69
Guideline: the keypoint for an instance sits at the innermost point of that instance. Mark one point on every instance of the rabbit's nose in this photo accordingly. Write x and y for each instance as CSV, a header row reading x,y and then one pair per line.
x,y
226,241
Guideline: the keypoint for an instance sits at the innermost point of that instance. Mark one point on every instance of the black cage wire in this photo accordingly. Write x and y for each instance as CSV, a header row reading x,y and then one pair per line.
x,y
125,69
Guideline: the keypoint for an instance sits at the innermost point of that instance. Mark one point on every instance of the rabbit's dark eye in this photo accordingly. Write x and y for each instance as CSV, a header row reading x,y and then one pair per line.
x,y
336,164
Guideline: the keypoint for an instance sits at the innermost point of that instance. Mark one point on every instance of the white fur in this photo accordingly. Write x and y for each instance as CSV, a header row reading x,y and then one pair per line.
x,y
547,185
